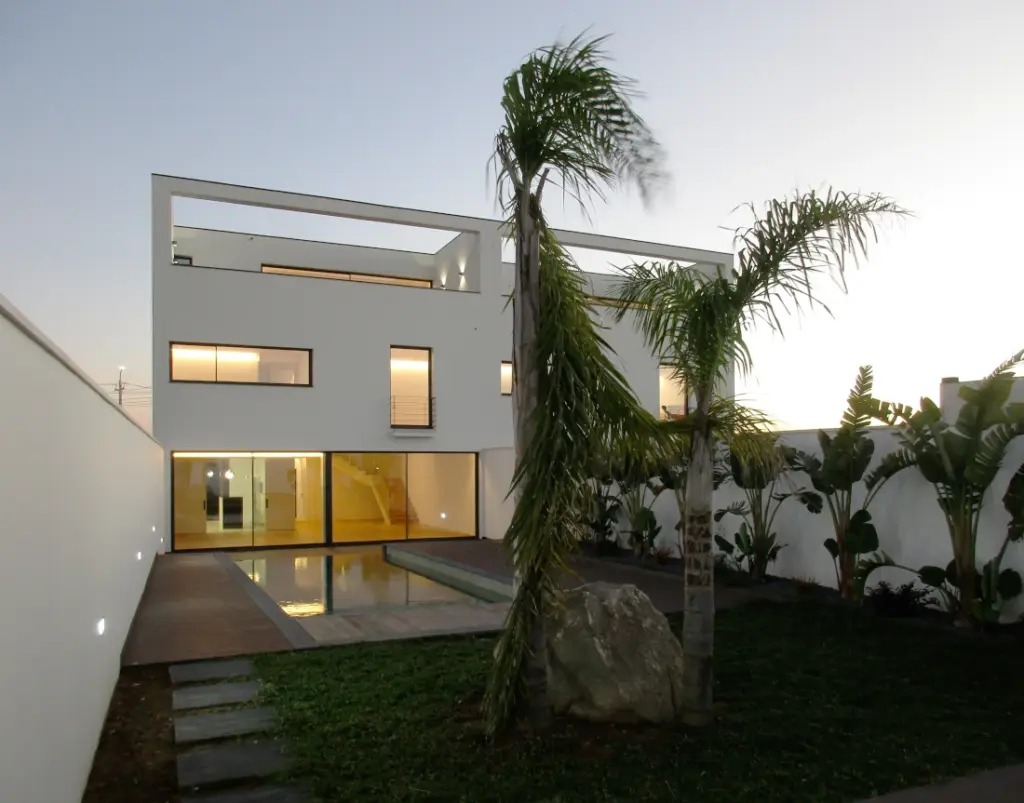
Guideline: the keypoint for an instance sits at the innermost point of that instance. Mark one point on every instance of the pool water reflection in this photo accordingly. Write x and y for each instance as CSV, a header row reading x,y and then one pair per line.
x,y
343,580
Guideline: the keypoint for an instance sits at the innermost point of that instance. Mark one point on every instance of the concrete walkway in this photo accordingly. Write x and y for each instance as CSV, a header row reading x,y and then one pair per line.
x,y
1004,785
196,607
664,588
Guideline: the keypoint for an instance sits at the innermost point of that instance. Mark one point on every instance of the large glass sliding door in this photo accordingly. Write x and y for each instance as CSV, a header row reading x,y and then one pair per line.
x,y
395,496
232,500
224,500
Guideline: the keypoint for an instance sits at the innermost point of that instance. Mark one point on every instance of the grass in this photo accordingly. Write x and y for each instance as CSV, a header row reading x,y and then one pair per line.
x,y
819,703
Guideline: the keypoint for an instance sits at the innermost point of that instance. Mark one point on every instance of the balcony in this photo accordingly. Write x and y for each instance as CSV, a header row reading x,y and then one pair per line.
x,y
413,412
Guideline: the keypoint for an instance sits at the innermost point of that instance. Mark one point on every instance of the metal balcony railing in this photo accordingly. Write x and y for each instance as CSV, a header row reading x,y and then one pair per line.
x,y
413,412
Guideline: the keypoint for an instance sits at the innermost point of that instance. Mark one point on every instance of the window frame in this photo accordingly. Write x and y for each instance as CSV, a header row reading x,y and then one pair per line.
x,y
430,387
170,364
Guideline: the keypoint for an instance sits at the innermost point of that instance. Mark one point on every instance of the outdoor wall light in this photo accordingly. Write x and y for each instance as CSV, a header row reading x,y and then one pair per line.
x,y
229,474
138,556
101,626
462,269
209,473
154,529
444,515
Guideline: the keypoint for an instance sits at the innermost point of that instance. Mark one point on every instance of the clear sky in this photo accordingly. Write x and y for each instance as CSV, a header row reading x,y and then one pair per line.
x,y
396,102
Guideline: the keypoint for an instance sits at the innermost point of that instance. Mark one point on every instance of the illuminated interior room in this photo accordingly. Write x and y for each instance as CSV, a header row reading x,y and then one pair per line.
x,y
240,500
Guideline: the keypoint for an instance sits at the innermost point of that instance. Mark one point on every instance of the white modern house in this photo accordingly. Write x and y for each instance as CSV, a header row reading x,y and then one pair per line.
x,y
310,392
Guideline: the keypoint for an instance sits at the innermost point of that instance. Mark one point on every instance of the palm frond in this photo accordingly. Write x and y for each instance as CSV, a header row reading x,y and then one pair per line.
x,y
859,404
794,239
570,121
585,407
890,465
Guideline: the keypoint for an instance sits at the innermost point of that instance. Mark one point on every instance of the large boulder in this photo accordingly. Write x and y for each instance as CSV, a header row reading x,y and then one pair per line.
x,y
612,657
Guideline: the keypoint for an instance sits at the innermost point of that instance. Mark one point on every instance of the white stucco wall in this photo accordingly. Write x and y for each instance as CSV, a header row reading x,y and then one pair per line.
x,y
910,526
80,501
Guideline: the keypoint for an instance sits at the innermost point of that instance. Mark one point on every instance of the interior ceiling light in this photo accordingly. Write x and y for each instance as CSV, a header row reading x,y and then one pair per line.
x,y
221,355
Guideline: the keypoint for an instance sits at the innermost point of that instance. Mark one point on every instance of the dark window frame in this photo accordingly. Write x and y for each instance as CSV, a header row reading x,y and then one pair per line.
x,y
170,360
430,387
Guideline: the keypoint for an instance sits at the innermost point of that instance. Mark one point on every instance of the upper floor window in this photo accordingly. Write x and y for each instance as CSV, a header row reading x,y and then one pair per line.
x,y
506,378
250,365
412,387
671,393
348,276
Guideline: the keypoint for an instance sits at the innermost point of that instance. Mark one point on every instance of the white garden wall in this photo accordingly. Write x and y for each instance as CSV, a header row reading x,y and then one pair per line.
x,y
81,517
910,526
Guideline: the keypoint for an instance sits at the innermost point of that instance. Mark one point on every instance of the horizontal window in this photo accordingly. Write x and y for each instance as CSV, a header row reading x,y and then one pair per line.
x,y
348,276
506,378
607,301
251,365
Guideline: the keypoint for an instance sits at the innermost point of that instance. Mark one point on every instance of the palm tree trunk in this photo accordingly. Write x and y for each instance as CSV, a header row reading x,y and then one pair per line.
x,y
525,323
698,560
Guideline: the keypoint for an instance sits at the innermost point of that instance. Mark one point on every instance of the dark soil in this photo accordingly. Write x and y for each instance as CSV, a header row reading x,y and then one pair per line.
x,y
134,762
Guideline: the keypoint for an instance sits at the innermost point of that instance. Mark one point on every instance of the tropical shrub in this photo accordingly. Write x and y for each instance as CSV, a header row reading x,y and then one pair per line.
x,y
756,544
961,461
844,460
604,514
902,601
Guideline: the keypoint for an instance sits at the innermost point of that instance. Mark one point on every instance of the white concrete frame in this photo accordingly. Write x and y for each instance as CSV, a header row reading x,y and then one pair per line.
x,y
349,326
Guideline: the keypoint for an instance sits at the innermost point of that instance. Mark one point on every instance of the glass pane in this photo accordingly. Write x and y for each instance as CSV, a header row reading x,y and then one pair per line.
x,y
194,363
506,379
213,501
368,497
265,366
442,495
289,499
671,394
410,387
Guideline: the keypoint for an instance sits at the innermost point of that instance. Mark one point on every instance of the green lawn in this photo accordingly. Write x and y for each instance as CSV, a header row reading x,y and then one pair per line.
x,y
820,704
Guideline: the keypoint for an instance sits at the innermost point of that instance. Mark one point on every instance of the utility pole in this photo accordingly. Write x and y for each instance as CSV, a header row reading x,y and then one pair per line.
x,y
120,386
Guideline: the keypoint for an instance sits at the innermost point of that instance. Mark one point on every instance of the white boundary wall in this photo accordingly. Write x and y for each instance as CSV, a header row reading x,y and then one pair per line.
x,y
910,526
81,517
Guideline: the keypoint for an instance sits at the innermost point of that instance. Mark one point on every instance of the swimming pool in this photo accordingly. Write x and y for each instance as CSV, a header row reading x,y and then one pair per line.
x,y
341,580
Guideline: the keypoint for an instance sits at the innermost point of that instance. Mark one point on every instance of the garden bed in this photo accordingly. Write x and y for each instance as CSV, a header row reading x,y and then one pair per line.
x,y
134,762
817,702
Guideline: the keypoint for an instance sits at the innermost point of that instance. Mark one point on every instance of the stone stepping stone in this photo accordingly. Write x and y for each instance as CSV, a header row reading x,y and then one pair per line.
x,y
220,725
202,671
230,762
259,794
214,695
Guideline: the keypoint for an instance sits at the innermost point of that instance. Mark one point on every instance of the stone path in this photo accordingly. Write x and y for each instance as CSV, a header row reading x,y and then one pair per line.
x,y
227,752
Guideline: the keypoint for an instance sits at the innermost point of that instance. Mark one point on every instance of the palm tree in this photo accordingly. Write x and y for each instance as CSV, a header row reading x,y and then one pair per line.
x,y
569,122
697,324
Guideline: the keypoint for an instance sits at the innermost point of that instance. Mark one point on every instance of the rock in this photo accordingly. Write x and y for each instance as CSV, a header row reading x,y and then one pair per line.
x,y
612,657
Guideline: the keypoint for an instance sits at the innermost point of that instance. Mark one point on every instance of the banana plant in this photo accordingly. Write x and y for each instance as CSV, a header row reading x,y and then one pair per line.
x,y
961,461
635,488
845,458
755,544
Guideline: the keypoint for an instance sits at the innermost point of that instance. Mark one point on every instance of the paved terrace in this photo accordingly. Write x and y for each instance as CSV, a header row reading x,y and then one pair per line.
x,y
203,606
